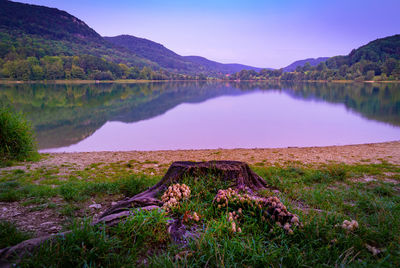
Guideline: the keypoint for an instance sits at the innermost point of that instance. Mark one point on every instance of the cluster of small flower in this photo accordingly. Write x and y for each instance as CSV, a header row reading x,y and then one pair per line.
x,y
232,216
191,216
350,225
223,197
271,207
279,213
174,194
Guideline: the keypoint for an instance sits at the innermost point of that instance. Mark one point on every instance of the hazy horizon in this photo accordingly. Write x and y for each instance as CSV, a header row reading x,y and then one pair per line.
x,y
257,33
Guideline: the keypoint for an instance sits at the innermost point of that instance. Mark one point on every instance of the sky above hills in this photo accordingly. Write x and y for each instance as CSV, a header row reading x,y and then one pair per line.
x,y
262,33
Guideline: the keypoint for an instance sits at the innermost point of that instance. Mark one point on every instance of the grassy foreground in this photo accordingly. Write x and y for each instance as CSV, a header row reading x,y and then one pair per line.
x,y
322,196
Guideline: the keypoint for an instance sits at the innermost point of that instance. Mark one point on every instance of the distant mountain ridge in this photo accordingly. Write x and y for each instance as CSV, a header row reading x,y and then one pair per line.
x,y
170,60
312,61
36,31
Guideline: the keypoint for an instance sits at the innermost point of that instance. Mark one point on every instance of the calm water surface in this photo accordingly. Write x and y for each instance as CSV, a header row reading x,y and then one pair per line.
x,y
188,115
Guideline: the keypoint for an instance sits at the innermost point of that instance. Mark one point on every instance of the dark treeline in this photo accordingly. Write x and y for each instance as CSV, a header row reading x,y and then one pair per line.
x,y
80,67
363,70
95,68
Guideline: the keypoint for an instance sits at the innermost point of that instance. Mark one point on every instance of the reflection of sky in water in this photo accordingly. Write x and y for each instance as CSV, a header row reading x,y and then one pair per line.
x,y
256,120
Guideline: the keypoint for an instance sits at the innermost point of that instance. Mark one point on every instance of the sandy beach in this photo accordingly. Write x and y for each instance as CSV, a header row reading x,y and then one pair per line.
x,y
159,160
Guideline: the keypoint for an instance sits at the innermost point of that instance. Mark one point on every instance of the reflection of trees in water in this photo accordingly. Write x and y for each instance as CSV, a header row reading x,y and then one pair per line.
x,y
379,102
63,114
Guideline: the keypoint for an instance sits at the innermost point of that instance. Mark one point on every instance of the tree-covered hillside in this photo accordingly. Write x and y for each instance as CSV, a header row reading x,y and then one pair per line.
x,y
378,60
38,42
49,23
29,30
311,61
173,62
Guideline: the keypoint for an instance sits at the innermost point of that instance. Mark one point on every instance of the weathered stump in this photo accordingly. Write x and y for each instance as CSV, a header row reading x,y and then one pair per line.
x,y
238,173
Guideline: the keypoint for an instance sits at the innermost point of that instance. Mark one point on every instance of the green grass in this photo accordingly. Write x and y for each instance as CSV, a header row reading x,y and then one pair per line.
x,y
10,235
17,141
124,245
18,185
322,196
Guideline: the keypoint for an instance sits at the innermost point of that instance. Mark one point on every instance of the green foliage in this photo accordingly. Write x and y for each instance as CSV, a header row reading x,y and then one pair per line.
x,y
16,137
80,67
10,235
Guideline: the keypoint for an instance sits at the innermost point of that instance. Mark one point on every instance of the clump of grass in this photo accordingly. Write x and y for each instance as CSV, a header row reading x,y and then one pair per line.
x,y
10,235
76,190
11,191
85,246
125,245
146,232
16,138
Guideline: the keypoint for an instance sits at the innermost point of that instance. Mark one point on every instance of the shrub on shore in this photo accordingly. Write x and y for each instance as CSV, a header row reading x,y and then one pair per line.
x,y
16,137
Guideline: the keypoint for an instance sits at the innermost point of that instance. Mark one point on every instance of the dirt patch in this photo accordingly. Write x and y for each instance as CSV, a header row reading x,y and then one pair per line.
x,y
364,179
39,223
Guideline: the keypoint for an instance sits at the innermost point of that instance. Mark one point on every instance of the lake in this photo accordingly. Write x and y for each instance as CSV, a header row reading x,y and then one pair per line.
x,y
205,115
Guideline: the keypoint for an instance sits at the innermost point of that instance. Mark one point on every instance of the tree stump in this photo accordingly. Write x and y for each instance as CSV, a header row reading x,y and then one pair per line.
x,y
239,173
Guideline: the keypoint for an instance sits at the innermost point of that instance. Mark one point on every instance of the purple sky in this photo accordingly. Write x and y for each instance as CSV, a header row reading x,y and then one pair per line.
x,y
263,33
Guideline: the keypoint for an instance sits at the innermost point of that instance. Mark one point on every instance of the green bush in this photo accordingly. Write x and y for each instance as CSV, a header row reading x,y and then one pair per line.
x,y
16,137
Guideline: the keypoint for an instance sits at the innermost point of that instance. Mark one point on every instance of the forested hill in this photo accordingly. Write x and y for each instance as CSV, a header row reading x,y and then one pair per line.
x,y
311,61
378,60
170,60
378,50
38,42
49,23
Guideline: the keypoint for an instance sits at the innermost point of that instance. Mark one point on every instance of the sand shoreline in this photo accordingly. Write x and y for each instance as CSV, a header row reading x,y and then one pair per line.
x,y
348,154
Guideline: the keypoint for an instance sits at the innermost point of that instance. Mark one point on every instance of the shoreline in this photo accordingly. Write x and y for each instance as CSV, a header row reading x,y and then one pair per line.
x,y
134,81
370,153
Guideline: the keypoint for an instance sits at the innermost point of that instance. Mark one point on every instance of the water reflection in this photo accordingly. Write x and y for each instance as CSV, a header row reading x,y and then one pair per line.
x,y
206,115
